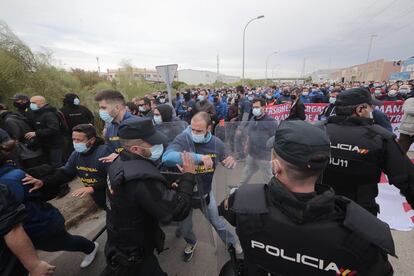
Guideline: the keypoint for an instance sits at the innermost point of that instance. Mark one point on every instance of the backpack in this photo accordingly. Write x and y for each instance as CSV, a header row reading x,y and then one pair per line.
x,y
63,123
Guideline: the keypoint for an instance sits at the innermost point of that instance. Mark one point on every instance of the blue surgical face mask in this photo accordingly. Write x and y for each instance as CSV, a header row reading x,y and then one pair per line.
x,y
34,106
76,101
157,119
156,152
200,98
105,116
80,147
332,100
201,138
250,98
257,112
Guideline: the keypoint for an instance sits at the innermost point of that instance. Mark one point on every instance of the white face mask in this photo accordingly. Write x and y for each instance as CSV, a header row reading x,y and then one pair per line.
x,y
157,119
392,93
257,112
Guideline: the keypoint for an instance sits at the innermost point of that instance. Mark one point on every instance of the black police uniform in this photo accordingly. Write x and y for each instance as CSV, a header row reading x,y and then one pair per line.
x,y
318,233
138,199
360,151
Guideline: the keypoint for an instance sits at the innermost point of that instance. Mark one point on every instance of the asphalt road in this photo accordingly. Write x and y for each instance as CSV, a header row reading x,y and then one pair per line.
x,y
210,254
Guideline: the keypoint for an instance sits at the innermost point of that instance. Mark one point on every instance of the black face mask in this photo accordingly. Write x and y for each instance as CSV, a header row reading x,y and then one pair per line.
x,y
21,106
293,97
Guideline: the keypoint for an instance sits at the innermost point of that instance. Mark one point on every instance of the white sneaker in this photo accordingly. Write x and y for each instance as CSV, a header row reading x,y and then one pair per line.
x,y
189,251
90,257
238,249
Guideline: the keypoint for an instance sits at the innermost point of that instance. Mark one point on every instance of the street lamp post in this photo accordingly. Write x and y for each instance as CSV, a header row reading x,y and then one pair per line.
x,y
244,36
370,46
267,61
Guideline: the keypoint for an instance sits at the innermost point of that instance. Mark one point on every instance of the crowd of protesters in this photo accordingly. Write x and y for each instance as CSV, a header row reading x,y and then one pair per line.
x,y
43,147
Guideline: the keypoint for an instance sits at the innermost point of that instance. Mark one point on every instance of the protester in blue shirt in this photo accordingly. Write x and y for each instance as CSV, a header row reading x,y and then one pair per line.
x,y
316,95
260,128
187,107
44,224
83,163
113,112
221,108
245,106
208,151
304,97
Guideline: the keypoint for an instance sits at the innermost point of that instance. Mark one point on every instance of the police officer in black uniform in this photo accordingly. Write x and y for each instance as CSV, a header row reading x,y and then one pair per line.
x,y
291,226
361,150
138,198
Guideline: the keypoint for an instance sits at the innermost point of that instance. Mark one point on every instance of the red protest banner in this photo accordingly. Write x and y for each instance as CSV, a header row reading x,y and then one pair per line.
x,y
393,110
312,110
278,111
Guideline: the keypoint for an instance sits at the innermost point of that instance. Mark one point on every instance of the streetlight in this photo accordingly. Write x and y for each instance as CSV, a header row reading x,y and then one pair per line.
x,y
244,36
267,61
370,46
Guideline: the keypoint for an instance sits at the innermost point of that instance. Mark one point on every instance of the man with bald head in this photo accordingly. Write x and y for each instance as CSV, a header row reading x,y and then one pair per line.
x,y
47,132
208,151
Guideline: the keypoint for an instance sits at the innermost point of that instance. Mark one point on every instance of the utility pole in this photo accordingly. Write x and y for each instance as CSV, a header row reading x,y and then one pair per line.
x,y
218,68
303,68
370,46
267,61
99,67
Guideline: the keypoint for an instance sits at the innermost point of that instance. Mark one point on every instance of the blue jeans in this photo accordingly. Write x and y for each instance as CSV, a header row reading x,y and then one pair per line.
x,y
219,224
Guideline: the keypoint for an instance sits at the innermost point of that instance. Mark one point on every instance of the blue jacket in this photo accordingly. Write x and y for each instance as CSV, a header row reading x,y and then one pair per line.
x,y
381,119
39,214
111,135
305,99
245,106
259,131
221,110
317,96
214,147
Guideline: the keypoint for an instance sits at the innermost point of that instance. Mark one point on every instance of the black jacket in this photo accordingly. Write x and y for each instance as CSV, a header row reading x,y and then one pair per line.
x,y
138,198
297,111
11,214
360,151
76,114
16,125
317,233
47,127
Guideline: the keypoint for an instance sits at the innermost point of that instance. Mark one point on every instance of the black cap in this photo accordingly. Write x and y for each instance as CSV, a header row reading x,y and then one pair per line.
x,y
356,96
19,96
140,128
299,142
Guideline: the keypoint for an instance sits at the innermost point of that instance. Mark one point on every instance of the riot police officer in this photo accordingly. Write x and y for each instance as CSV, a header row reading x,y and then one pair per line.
x,y
291,226
361,150
138,198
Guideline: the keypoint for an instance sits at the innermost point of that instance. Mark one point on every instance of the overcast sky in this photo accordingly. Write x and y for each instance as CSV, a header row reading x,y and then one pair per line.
x,y
328,33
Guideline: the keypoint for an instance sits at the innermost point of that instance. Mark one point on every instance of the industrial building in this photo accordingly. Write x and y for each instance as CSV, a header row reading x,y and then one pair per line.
x,y
377,70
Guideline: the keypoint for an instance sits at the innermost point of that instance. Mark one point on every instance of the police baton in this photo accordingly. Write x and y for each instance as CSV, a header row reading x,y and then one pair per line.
x,y
103,229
